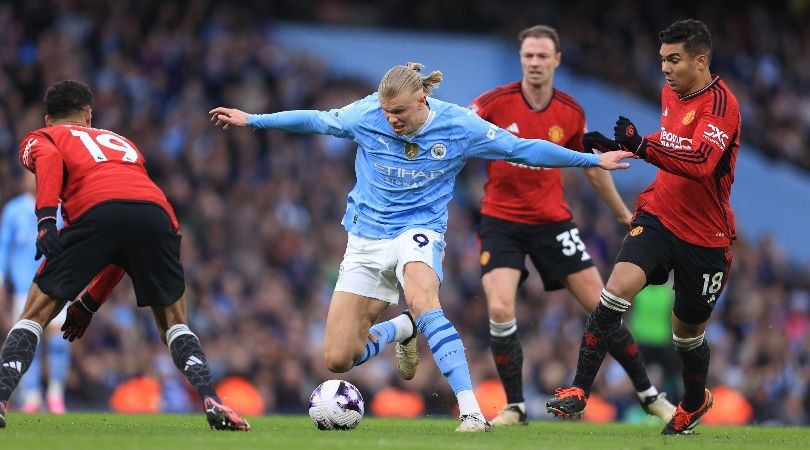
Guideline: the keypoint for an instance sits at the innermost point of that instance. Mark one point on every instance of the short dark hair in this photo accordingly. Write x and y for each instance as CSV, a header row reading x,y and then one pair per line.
x,y
67,97
692,33
541,31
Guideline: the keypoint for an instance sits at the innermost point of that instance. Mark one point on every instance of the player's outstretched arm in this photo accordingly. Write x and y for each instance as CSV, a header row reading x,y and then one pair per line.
x,y
228,117
612,160
332,122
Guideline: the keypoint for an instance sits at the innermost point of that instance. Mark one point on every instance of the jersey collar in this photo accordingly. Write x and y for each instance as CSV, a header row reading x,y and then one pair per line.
x,y
416,133
699,91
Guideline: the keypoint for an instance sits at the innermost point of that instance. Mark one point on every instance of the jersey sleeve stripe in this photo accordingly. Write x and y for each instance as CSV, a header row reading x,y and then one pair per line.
x,y
719,102
492,95
701,155
701,160
568,100
48,136
686,153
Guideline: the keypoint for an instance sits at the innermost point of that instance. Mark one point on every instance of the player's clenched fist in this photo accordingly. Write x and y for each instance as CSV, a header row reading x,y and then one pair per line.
x,y
627,135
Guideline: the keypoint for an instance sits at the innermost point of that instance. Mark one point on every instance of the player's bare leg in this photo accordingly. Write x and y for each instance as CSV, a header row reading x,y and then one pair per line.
x,y
347,335
421,286
57,353
500,286
586,286
21,343
189,357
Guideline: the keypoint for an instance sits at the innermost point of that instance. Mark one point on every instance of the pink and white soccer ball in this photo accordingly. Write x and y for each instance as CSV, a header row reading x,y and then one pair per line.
x,y
336,405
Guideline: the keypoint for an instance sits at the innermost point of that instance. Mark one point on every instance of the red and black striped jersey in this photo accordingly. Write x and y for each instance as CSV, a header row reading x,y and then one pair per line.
x,y
696,152
517,192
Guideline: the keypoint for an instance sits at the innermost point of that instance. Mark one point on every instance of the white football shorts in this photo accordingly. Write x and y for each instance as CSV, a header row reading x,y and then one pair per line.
x,y
372,267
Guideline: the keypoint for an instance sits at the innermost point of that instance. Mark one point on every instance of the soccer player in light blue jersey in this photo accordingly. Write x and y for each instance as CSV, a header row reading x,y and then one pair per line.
x,y
18,234
410,149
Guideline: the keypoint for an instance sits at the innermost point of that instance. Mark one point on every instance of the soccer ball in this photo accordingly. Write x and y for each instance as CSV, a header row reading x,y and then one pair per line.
x,y
336,405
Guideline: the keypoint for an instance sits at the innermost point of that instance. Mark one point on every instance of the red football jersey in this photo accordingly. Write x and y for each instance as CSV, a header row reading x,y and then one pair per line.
x,y
696,151
83,166
521,193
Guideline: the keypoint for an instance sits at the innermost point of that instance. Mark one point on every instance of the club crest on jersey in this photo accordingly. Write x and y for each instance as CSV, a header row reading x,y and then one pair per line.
x,y
688,118
636,231
411,150
556,134
438,151
485,256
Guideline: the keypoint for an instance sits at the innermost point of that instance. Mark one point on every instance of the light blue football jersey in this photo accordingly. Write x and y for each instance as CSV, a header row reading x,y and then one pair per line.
x,y
18,237
406,182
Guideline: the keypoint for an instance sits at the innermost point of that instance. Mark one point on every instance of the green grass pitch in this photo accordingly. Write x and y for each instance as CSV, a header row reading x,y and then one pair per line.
x,y
177,432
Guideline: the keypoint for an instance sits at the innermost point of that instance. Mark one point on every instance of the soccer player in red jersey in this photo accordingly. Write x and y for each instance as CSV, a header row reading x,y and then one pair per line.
x,y
117,220
524,213
683,221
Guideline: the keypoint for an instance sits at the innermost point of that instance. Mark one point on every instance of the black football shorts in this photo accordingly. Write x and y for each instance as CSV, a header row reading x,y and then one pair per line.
x,y
556,249
137,236
700,272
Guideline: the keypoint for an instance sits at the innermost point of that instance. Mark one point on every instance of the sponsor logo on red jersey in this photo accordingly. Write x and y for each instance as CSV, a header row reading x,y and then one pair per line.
x,y
716,136
672,140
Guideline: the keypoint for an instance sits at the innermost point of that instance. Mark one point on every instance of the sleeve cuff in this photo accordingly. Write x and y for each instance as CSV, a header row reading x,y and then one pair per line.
x,y
641,151
46,213
89,303
255,121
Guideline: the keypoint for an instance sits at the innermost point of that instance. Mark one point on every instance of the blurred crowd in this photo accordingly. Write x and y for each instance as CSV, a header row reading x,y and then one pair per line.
x,y
762,49
260,211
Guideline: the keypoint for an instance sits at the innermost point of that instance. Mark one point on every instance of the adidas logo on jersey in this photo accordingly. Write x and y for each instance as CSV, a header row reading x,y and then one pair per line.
x,y
16,365
192,361
513,128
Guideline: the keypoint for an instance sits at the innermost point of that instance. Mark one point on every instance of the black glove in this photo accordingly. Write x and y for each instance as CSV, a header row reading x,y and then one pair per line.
x,y
79,315
595,140
627,135
48,242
